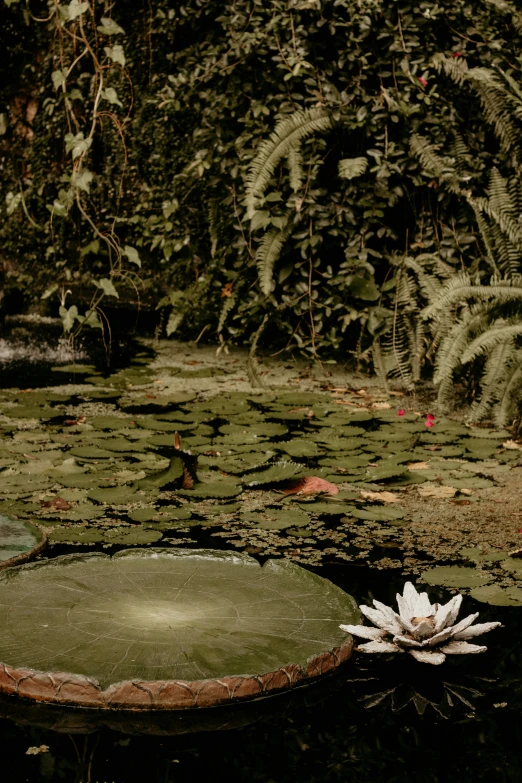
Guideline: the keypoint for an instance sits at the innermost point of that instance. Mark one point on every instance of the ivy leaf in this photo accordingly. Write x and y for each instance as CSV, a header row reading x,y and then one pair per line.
x,y
77,145
349,168
68,316
92,319
76,8
59,77
109,27
111,95
132,254
92,247
116,54
107,287
83,180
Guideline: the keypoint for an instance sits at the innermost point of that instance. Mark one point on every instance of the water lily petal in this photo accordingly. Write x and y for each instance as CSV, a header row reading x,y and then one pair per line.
x,y
462,648
475,630
379,647
393,618
464,623
422,630
377,618
407,602
428,656
446,614
406,641
424,607
439,637
364,631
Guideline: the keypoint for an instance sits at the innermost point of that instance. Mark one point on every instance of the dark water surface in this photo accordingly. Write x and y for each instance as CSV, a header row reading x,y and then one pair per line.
x,y
362,724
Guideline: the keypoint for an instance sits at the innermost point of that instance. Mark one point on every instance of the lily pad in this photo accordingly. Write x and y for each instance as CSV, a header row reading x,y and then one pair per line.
x,y
277,472
19,540
220,489
277,519
497,595
167,629
455,576
114,495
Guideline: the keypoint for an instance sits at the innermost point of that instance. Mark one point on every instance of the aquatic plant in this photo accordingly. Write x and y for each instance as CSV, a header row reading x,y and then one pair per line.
x,y
427,631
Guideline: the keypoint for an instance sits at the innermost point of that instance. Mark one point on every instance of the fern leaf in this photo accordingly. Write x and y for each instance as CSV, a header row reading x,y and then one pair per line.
x,y
498,334
287,135
267,254
349,168
507,399
491,380
228,306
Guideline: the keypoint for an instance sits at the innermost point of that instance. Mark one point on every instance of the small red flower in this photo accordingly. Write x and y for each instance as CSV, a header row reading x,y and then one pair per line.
x,y
423,81
401,412
456,54
430,416
429,423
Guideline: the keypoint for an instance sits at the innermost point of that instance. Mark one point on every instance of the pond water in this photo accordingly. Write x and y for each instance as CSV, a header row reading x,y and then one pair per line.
x,y
95,466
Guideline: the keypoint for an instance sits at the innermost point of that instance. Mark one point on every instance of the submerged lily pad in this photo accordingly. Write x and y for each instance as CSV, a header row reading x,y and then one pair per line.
x,y
277,519
19,540
211,627
455,576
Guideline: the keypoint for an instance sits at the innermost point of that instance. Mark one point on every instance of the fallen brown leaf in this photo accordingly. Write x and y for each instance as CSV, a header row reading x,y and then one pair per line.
x,y
386,497
427,491
418,465
310,485
59,503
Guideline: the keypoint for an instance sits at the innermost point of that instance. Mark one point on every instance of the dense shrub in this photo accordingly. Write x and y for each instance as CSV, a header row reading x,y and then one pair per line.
x,y
204,84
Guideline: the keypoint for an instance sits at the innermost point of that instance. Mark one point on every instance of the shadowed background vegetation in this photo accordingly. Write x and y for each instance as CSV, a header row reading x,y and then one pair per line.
x,y
304,174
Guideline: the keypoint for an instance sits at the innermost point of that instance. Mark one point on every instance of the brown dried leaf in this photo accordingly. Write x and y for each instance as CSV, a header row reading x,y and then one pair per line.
x,y
418,465
311,485
58,503
385,497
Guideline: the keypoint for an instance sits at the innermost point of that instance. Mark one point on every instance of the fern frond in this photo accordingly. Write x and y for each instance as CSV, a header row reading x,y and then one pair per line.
x,y
267,254
498,334
510,393
456,69
452,347
460,288
287,135
295,164
491,380
349,168
228,306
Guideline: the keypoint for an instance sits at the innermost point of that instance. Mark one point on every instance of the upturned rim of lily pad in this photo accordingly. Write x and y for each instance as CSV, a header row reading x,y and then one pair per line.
x,y
80,690
24,557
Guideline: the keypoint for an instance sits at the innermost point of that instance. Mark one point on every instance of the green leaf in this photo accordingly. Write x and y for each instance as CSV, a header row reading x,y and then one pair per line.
x,y
77,145
107,287
349,168
49,291
92,319
109,27
68,316
92,247
82,180
116,54
363,288
110,94
132,254
59,77
76,8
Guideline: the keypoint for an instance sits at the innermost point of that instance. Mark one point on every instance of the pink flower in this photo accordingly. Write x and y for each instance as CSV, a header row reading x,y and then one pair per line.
x,y
401,412
423,81
456,54
430,417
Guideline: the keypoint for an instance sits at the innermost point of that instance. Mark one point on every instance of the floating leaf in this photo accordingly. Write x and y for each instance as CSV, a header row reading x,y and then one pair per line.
x,y
273,519
455,576
210,490
277,472
496,595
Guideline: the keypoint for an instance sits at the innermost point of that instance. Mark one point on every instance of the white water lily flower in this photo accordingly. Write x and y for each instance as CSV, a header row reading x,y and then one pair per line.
x,y
427,631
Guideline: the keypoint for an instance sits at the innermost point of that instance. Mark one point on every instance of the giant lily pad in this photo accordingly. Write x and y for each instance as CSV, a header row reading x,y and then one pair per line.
x,y
19,540
166,629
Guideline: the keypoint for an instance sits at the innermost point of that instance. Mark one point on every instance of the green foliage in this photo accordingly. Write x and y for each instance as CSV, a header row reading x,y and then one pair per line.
x,y
263,149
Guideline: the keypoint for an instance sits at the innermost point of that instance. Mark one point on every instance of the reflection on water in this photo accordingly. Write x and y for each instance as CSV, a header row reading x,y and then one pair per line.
x,y
381,719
